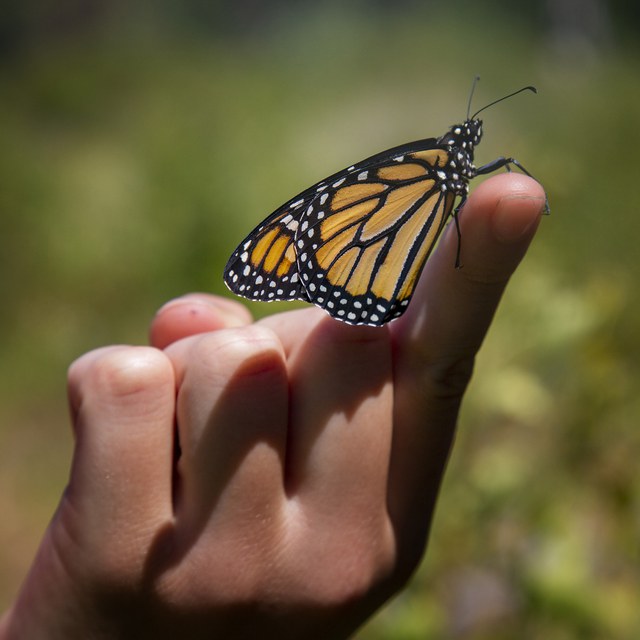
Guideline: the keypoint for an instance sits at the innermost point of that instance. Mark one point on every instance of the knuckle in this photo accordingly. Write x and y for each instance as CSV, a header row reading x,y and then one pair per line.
x,y
492,278
128,372
254,348
353,566
447,379
118,372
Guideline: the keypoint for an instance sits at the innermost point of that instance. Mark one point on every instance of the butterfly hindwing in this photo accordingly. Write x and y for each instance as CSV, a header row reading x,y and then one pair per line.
x,y
362,242
264,265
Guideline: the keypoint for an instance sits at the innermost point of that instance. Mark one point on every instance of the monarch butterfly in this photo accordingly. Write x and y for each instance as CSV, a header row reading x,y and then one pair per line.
x,y
356,242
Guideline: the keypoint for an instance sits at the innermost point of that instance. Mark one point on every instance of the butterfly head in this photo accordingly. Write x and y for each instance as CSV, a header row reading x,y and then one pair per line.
x,y
464,137
461,140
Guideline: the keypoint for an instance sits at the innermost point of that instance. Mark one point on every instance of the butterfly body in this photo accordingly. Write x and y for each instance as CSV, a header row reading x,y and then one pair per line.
x,y
356,242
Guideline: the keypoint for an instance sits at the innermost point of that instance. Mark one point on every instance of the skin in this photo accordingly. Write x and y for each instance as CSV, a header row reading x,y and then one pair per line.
x,y
310,456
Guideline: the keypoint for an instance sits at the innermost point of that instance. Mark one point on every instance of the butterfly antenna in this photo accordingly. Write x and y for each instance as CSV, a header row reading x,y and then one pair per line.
x,y
473,88
515,93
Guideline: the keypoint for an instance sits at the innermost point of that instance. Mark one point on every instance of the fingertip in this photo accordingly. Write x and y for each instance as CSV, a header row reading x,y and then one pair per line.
x,y
518,203
194,314
513,201
505,185
516,216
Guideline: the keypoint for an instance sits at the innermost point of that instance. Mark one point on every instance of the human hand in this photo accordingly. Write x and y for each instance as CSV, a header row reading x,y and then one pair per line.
x,y
274,479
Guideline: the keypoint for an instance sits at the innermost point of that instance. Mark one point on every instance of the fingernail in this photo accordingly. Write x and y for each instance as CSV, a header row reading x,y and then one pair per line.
x,y
196,306
515,215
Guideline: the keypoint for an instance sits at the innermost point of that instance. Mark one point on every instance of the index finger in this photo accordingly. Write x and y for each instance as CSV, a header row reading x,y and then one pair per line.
x,y
437,339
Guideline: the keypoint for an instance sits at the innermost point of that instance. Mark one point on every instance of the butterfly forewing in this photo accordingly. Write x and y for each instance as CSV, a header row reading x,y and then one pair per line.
x,y
362,243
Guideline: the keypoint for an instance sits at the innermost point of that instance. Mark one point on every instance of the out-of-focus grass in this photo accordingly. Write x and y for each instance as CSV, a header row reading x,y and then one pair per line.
x,y
132,164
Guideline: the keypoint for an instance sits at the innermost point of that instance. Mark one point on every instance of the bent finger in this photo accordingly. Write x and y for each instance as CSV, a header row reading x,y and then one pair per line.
x,y
341,405
122,402
232,416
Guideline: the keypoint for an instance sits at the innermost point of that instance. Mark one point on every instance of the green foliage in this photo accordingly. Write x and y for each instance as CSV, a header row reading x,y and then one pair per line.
x,y
133,161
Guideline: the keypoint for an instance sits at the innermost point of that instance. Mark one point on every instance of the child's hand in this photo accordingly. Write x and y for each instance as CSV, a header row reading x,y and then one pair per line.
x,y
267,480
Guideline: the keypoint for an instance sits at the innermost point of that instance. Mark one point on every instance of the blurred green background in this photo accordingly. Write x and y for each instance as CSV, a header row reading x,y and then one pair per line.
x,y
140,142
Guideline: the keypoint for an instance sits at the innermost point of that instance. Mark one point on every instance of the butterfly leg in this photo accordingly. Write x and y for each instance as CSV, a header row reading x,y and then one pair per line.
x,y
498,163
456,212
